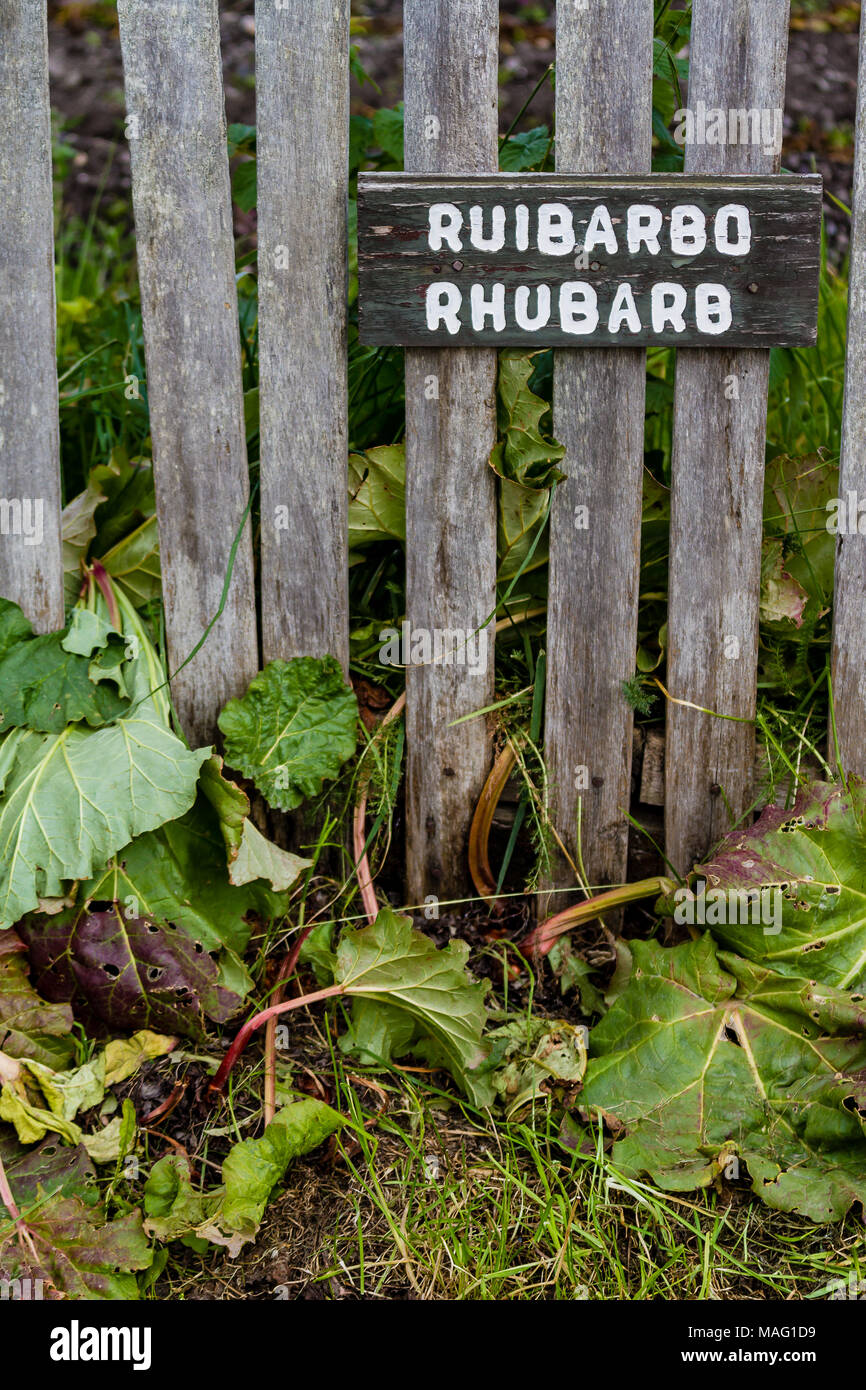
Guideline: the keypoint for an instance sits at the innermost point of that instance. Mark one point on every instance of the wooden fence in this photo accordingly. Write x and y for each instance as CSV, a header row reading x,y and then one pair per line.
x,y
180,179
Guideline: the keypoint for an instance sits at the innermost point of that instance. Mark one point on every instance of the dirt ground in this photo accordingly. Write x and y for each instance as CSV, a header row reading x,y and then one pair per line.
x,y
87,86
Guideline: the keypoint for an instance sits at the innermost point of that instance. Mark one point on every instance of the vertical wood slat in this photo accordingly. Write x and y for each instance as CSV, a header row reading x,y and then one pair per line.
x,y
302,125
737,60
603,125
31,564
183,218
849,604
451,77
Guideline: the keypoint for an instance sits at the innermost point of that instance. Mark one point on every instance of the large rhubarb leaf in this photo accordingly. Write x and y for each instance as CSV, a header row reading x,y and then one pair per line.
x,y
122,972
175,922
294,728
230,1215
75,1251
815,856
706,1057
71,800
392,964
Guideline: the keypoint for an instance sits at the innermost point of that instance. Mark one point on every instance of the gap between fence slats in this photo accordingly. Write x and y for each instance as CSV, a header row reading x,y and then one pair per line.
x,y
737,60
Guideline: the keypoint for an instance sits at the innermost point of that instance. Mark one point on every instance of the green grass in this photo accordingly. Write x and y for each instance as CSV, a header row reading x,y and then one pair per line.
x,y
423,1200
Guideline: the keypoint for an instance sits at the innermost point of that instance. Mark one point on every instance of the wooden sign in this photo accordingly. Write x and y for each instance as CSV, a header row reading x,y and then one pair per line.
x,y
567,261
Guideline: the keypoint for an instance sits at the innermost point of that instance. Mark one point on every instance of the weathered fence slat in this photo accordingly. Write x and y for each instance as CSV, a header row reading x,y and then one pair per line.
x,y
182,201
602,126
31,566
302,132
451,74
737,61
849,609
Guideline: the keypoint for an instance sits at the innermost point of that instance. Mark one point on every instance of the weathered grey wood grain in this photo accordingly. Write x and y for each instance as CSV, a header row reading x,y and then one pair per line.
x,y
849,604
738,55
496,251
302,125
31,569
603,123
451,67
182,202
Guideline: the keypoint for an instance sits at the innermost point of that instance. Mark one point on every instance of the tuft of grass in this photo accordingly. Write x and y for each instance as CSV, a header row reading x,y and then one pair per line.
x,y
421,1198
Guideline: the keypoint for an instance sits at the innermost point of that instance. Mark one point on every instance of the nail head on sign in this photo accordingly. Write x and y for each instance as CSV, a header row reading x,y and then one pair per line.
x,y
685,260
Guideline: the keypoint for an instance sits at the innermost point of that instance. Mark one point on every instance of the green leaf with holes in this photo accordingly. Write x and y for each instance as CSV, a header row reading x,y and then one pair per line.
x,y
707,1057
810,862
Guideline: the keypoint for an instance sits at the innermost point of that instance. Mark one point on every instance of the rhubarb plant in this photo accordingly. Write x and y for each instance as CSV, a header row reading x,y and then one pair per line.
x,y
756,1054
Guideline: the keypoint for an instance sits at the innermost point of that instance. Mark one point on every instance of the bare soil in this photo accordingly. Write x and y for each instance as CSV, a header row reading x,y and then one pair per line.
x,y
87,86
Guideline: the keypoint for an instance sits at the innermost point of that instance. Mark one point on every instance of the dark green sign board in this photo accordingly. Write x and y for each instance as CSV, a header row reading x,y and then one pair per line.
x,y
568,261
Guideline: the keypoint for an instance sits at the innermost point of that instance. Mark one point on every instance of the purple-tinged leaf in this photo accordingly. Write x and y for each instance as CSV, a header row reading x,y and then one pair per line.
x,y
121,973
810,862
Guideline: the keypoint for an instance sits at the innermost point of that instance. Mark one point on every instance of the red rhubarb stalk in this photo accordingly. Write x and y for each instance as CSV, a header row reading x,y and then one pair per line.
x,y
542,938
243,1037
